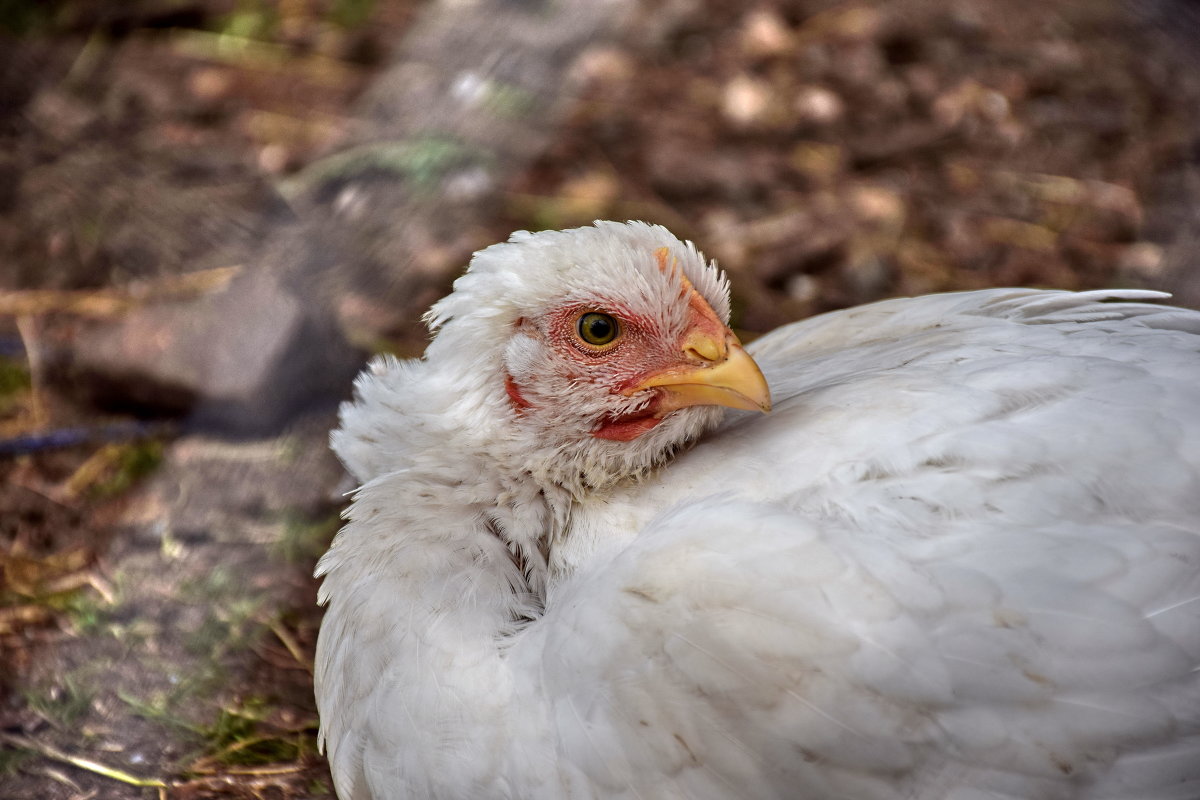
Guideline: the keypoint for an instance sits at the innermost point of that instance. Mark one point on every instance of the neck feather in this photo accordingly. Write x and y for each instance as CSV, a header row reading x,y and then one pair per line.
x,y
443,558
420,583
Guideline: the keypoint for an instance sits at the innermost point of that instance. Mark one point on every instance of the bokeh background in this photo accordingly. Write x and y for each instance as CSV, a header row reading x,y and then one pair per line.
x,y
213,211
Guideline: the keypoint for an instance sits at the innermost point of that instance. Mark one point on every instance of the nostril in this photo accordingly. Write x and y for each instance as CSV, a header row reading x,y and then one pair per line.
x,y
700,347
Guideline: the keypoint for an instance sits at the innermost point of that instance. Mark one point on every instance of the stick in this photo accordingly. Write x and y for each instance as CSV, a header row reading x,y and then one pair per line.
x,y
111,302
291,644
55,754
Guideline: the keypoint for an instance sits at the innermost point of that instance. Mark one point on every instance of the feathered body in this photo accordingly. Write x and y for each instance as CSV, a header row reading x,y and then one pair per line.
x,y
959,559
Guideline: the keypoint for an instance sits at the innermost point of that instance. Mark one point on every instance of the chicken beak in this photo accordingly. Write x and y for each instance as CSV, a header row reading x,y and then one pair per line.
x,y
715,372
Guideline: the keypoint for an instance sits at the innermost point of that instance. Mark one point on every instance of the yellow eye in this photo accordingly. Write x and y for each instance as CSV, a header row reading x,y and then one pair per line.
x,y
598,329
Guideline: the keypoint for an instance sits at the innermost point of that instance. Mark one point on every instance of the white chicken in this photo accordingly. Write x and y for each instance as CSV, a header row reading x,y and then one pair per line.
x,y
960,558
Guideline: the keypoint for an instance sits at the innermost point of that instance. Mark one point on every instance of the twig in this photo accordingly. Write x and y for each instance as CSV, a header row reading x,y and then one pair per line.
x,y
102,587
55,754
113,302
57,775
240,781
291,644
211,763
285,769
14,618
243,51
27,328
91,470
76,580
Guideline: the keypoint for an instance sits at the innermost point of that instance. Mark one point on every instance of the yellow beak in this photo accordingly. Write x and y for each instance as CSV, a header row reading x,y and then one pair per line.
x,y
714,372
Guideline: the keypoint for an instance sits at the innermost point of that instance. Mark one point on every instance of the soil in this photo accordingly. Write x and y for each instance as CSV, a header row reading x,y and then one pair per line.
x,y
156,611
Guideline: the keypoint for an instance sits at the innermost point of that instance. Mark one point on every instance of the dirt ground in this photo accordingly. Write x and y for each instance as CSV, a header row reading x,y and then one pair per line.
x,y
156,631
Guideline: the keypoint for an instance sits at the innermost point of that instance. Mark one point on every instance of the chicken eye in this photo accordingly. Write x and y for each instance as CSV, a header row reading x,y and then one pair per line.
x,y
598,329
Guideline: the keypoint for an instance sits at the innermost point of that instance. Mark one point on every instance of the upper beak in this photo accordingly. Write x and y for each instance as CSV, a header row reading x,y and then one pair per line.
x,y
714,371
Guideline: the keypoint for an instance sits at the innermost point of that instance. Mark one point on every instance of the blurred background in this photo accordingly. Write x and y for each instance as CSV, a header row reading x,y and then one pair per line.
x,y
213,211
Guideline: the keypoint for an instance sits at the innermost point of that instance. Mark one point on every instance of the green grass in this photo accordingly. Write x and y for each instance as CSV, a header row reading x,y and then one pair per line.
x,y
229,627
351,13
157,707
303,538
212,585
421,161
251,19
232,619
236,739
12,759
62,704
86,610
14,382
239,734
133,462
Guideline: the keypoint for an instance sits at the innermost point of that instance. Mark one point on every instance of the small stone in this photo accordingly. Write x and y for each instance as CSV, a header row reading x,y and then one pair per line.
x,y
273,158
953,105
469,88
993,105
602,64
877,204
746,100
764,33
468,184
1144,259
845,22
803,288
210,84
818,161
819,104
351,203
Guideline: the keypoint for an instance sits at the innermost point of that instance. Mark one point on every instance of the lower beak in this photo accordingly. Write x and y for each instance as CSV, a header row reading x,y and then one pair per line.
x,y
733,380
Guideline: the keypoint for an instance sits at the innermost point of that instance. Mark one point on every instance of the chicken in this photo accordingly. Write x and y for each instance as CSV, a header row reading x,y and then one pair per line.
x,y
959,558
